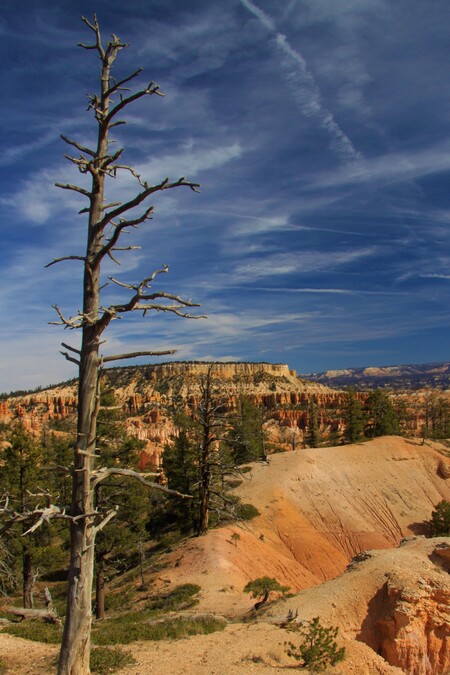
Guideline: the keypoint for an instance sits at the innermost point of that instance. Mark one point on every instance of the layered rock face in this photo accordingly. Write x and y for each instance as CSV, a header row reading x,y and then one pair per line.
x,y
147,393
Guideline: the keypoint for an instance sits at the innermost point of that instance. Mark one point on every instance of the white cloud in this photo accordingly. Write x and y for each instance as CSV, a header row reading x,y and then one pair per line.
x,y
304,88
190,161
400,166
300,262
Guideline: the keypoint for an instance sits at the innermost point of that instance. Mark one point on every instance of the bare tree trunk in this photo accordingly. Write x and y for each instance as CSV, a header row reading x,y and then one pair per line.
x,y
263,601
28,580
205,497
100,589
98,163
76,642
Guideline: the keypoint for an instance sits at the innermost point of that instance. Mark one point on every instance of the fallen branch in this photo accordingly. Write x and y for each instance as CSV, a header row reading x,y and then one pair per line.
x,y
23,614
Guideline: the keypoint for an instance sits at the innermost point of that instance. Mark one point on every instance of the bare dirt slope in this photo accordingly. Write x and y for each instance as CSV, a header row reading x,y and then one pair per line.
x,y
318,509
392,607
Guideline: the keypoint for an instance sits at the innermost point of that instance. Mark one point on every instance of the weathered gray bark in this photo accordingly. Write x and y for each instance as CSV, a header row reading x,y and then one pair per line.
x,y
100,163
75,648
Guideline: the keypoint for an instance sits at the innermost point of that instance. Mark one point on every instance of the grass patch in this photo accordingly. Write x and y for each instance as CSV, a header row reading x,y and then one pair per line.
x,y
107,660
180,598
115,631
3,669
38,631
119,599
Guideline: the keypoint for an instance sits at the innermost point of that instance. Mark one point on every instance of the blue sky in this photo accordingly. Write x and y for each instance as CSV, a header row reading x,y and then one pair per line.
x,y
319,131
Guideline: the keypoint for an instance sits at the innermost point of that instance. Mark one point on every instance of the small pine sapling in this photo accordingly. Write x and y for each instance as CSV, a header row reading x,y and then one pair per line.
x,y
440,520
235,538
318,648
262,588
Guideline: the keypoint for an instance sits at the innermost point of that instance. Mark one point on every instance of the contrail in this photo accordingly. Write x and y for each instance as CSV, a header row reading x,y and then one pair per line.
x,y
304,88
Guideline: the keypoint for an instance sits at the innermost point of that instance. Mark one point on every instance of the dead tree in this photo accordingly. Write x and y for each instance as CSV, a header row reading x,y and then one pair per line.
x,y
207,416
106,224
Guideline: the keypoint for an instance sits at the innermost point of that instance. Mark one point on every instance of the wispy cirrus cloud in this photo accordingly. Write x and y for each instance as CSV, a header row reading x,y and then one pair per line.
x,y
192,159
304,88
300,262
384,169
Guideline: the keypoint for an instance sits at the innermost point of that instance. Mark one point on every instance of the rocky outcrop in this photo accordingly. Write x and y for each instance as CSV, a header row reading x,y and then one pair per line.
x,y
408,622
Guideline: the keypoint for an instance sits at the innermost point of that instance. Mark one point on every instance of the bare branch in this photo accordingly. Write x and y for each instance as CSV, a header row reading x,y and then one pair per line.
x,y
37,516
71,322
47,615
141,196
145,282
67,257
118,85
108,206
102,474
118,229
109,516
76,188
152,88
72,349
79,147
132,355
70,358
96,29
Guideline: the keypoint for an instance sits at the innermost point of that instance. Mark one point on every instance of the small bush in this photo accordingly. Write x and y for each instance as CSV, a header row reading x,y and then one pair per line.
x,y
440,520
318,647
107,660
247,512
181,597
3,668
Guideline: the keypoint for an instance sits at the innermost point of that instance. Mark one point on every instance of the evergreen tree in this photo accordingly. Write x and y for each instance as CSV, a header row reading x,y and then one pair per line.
x,y
201,460
313,436
20,475
437,417
381,419
246,435
181,468
128,501
354,417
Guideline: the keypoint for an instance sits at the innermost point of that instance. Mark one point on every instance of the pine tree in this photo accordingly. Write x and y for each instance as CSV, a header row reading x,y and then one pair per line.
x,y
246,434
353,417
20,474
313,436
381,417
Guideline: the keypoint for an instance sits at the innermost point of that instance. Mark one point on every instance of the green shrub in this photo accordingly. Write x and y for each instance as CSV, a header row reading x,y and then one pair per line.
x,y
116,631
318,648
247,512
36,630
107,660
440,520
181,597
